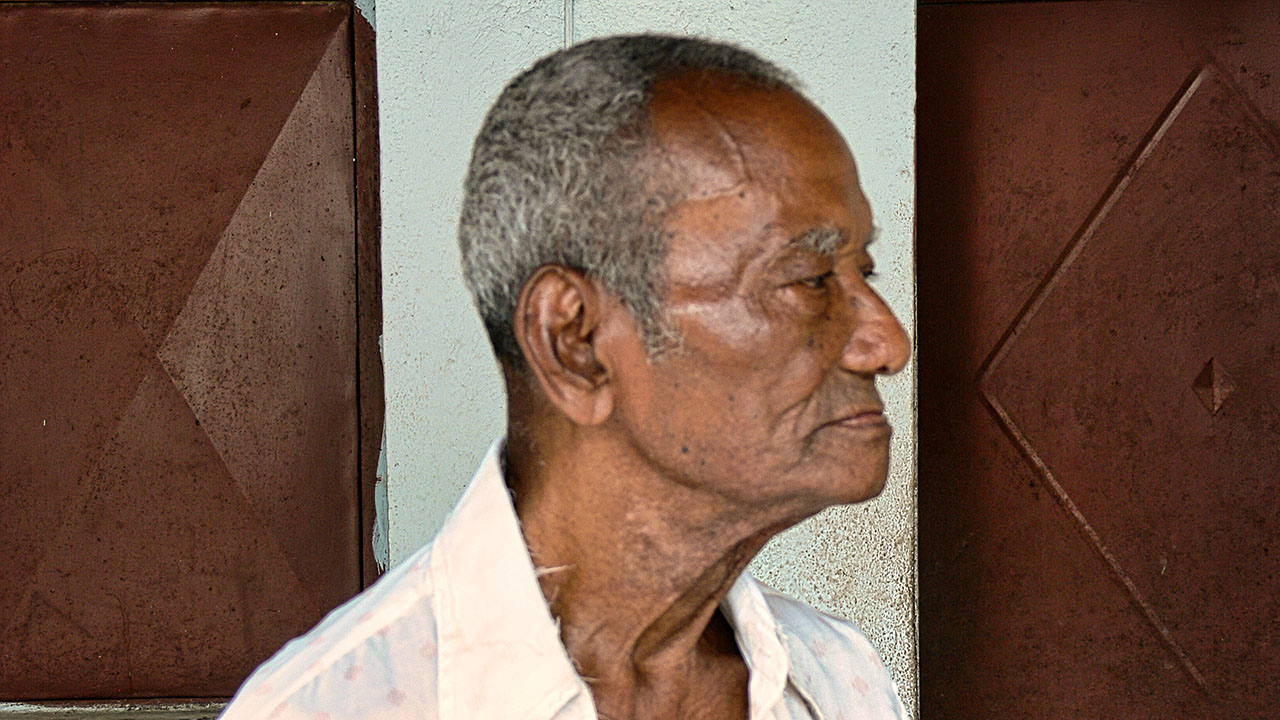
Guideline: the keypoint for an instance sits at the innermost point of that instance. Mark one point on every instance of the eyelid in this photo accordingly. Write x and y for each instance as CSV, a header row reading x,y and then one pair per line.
x,y
818,281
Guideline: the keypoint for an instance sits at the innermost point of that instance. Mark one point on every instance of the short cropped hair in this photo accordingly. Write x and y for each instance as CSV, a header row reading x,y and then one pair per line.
x,y
559,175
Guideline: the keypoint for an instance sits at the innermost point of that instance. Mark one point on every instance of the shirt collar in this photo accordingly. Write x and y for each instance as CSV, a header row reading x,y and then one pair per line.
x,y
500,653
500,650
758,640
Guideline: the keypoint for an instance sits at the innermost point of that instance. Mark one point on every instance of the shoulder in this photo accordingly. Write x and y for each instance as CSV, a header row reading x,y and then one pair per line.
x,y
372,657
833,663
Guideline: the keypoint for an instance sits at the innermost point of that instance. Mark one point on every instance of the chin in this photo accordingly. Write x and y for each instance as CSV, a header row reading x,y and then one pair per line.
x,y
860,489
838,489
855,478
858,480
850,468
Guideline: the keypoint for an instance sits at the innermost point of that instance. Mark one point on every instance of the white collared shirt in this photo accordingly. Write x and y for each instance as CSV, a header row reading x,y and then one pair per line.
x,y
460,631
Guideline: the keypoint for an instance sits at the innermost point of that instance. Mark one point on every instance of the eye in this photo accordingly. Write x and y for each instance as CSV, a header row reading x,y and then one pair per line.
x,y
817,282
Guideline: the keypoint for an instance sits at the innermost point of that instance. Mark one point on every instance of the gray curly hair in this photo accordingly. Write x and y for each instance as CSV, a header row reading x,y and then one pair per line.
x,y
560,173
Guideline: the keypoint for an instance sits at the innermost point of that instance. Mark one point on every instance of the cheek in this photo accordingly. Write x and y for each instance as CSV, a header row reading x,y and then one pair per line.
x,y
751,337
724,333
701,412
745,369
810,352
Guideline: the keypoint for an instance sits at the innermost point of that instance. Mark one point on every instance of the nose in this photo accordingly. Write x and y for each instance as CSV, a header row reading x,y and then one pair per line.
x,y
878,343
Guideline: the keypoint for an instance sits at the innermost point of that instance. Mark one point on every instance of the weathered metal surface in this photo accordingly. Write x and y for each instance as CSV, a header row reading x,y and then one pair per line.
x,y
179,342
1099,201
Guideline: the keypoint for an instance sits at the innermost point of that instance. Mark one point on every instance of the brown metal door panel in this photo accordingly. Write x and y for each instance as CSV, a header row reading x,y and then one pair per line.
x,y
179,401
1099,289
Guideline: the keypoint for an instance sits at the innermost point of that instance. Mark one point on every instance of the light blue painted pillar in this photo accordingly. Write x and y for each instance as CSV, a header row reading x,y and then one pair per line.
x,y
440,64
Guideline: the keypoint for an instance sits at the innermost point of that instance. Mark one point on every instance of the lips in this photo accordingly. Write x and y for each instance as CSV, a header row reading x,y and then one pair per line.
x,y
870,418
866,418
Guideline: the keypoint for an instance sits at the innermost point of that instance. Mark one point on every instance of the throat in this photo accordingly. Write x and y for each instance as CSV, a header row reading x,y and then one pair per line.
x,y
709,684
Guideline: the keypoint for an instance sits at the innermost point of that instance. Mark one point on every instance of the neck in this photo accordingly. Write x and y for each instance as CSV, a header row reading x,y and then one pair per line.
x,y
645,616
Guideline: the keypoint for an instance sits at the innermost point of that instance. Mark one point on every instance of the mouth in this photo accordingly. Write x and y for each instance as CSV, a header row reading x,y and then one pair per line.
x,y
868,419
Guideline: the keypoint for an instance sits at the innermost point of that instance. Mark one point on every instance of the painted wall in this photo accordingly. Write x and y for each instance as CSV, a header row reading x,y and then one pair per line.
x,y
440,65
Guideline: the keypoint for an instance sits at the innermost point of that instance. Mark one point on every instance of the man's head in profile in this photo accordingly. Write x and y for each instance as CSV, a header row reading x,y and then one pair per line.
x,y
671,264
668,245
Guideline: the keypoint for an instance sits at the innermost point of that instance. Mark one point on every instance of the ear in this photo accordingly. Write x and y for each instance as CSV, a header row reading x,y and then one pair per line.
x,y
555,323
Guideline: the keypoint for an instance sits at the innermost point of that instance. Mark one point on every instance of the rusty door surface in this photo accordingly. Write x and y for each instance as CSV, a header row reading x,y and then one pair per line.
x,y
178,355
1099,345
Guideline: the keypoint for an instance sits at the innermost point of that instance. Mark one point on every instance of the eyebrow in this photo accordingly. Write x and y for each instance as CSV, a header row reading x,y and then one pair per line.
x,y
827,240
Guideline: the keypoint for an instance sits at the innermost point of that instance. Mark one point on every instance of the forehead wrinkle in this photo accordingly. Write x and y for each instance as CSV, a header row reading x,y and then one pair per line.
x,y
729,145
716,284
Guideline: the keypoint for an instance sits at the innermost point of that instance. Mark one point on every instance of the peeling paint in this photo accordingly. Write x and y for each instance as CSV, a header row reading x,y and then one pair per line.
x,y
380,540
380,536
366,9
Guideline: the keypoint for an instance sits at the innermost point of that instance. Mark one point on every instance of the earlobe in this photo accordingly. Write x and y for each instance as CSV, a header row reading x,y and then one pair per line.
x,y
555,324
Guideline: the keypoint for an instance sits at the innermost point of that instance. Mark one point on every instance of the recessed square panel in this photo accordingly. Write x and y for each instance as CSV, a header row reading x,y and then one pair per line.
x,y
178,344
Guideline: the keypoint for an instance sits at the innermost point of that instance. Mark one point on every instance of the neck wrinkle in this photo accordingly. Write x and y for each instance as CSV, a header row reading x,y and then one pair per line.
x,y
624,618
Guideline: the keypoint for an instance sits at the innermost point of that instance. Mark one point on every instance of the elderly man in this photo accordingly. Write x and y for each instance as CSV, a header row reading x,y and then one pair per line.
x,y
668,246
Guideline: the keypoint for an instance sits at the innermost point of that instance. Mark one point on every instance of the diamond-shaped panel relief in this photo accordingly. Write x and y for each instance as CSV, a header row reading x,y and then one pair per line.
x,y
1180,264
128,515
1213,385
